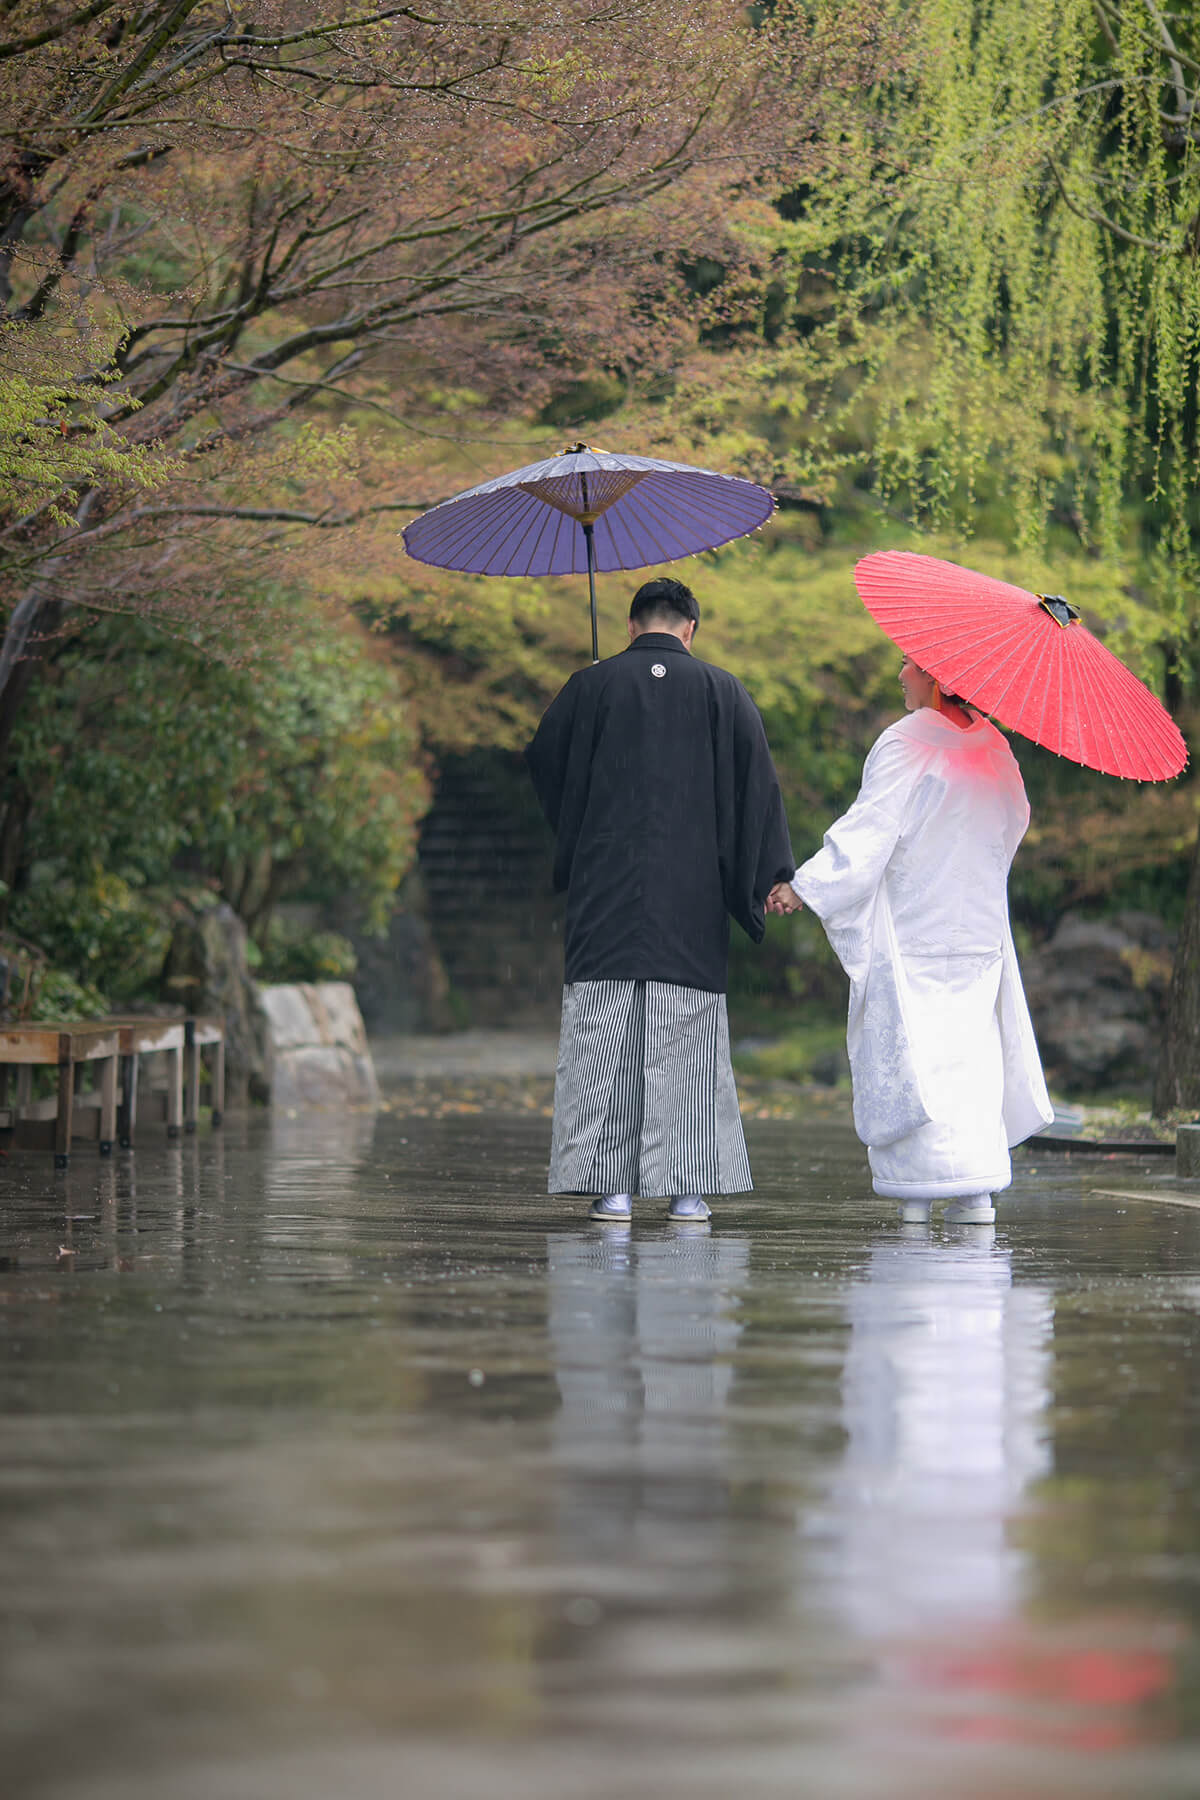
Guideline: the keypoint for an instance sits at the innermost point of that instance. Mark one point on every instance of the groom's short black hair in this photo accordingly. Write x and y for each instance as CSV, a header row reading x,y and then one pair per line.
x,y
666,599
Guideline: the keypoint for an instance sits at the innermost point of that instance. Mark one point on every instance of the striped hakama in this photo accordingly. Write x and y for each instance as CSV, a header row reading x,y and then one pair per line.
x,y
644,1098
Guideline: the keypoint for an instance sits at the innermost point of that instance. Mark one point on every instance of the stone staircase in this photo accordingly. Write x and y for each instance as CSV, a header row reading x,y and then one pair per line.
x,y
486,857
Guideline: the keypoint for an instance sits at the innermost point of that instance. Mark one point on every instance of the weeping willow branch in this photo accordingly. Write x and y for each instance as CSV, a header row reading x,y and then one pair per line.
x,y
1098,218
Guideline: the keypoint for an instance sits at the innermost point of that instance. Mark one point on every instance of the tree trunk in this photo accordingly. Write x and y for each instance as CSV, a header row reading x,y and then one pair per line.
x,y
256,898
13,823
18,673
1178,1080
37,616
18,666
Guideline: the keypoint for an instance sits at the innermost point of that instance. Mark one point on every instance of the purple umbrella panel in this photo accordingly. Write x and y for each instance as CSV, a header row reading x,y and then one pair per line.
x,y
534,521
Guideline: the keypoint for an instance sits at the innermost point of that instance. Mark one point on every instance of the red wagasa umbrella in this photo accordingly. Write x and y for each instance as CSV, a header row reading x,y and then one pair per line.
x,y
1025,659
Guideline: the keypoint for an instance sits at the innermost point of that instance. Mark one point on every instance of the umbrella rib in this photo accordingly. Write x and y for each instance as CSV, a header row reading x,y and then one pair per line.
x,y
1134,711
993,668
1101,737
456,537
505,542
1003,668
711,507
458,534
649,524
1126,712
544,521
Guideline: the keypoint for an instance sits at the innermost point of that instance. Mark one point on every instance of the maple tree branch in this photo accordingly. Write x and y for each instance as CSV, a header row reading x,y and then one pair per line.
x,y
452,85
319,31
325,521
157,40
85,15
540,215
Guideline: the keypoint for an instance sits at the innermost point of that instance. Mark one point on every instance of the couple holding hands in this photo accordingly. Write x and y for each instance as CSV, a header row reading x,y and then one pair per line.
x,y
653,771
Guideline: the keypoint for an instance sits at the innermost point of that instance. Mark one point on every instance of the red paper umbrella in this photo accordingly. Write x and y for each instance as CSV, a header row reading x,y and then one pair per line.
x,y
1023,658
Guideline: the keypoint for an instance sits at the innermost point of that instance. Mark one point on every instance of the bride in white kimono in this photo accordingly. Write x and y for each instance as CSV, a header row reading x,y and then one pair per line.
x,y
911,887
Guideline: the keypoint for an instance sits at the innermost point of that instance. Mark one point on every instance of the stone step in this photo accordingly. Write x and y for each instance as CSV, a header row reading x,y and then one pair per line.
x,y
486,861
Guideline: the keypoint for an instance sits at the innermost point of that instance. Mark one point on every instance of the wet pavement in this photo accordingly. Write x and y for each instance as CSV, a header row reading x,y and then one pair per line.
x,y
338,1461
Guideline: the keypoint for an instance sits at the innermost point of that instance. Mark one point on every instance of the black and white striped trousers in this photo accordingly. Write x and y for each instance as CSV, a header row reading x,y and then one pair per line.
x,y
644,1099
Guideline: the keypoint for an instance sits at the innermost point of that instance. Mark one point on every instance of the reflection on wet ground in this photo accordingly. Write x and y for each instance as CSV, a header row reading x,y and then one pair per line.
x,y
339,1461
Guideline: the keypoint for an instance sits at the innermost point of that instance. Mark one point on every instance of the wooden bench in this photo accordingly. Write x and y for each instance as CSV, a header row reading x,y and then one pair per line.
x,y
116,1046
23,1048
201,1035
183,1041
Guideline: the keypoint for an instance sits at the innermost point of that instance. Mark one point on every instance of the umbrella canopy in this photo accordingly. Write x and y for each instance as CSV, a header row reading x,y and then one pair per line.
x,y
587,510
1024,658
531,521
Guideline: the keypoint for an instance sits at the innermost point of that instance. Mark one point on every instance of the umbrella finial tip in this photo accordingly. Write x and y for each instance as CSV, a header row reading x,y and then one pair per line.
x,y
1060,609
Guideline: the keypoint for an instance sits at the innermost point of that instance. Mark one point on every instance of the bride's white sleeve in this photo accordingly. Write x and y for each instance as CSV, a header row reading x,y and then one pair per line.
x,y
846,871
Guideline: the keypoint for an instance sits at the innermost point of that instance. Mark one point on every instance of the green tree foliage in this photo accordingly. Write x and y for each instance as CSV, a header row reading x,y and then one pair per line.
x,y
1023,274
481,658
228,216
269,269
274,274
1024,280
54,439
153,769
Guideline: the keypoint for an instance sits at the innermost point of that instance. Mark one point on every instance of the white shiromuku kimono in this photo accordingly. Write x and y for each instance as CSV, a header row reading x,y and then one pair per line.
x,y
911,887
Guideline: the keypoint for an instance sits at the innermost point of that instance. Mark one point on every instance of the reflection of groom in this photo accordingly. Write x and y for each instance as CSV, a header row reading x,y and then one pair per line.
x,y
643,1334
653,770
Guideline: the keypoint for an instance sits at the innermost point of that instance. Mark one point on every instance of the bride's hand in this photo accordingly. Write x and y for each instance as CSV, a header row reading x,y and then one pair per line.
x,y
783,899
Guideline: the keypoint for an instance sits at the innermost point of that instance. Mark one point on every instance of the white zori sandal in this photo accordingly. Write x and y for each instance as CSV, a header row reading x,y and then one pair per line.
x,y
973,1209
689,1206
613,1206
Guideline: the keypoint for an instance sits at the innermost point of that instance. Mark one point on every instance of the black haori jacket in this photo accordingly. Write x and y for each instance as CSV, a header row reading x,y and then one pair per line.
x,y
653,770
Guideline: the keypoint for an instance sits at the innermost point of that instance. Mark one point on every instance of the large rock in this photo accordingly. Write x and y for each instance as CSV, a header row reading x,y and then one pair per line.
x,y
206,972
319,1052
1098,991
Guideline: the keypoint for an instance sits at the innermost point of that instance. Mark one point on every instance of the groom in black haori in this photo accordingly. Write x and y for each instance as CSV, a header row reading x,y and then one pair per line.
x,y
653,770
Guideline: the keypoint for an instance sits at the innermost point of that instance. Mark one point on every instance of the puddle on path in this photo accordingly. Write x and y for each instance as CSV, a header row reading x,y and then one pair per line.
x,y
338,1461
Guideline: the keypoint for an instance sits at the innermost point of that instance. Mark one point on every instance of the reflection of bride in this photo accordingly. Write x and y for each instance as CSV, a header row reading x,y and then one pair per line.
x,y
642,1333
945,1385
945,1390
